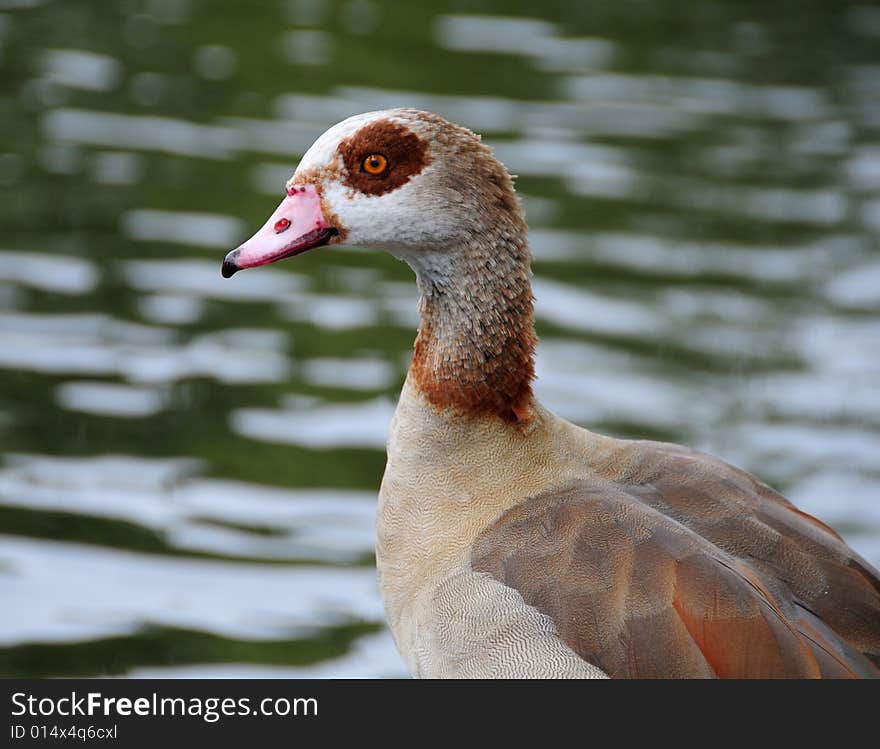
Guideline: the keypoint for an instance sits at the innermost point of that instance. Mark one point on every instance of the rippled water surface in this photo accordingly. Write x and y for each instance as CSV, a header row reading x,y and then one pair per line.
x,y
190,464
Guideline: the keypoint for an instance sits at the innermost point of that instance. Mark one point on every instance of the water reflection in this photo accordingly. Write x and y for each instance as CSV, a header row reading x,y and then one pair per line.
x,y
534,38
197,516
59,274
138,132
198,229
190,465
302,421
76,68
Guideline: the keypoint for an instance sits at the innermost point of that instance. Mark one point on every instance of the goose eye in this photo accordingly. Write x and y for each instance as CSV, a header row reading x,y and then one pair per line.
x,y
375,164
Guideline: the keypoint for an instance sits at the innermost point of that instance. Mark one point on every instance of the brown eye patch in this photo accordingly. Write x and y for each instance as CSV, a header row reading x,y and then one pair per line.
x,y
404,154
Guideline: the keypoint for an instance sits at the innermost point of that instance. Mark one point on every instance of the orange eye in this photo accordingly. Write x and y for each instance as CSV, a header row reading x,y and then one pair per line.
x,y
374,164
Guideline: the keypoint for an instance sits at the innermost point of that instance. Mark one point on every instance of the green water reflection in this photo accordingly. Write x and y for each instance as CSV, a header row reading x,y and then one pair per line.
x,y
702,181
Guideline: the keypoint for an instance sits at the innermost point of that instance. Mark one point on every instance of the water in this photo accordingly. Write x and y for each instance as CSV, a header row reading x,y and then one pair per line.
x,y
190,464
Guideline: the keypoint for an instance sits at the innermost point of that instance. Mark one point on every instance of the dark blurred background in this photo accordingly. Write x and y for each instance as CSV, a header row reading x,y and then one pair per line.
x,y
189,465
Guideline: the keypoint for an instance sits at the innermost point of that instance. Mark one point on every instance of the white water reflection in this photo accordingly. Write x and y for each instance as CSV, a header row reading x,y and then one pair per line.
x,y
173,309
798,395
108,399
47,585
140,133
854,496
111,470
870,215
274,137
225,518
704,95
658,255
98,345
754,202
561,157
79,68
846,348
531,37
181,227
587,384
349,374
819,207
199,278
510,34
60,274
858,286
331,311
311,424
704,214
863,167
578,309
488,115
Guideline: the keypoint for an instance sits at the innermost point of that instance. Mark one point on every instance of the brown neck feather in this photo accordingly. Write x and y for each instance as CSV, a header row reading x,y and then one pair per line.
x,y
474,352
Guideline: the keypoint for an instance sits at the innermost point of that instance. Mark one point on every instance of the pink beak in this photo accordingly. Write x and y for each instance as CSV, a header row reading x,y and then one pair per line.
x,y
297,225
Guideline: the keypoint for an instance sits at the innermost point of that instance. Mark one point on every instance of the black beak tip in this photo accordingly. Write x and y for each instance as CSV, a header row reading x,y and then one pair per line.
x,y
230,265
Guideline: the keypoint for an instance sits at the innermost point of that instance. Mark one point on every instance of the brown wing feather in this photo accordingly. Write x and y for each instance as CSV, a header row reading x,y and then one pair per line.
x,y
685,566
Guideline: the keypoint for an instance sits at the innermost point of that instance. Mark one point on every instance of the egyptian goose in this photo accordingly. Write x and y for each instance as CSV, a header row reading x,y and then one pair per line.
x,y
512,543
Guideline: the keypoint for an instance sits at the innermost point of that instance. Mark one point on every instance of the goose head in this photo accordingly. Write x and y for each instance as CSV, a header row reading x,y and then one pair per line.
x,y
403,180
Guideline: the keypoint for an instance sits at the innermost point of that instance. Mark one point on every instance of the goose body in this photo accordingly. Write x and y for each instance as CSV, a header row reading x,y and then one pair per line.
x,y
510,542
